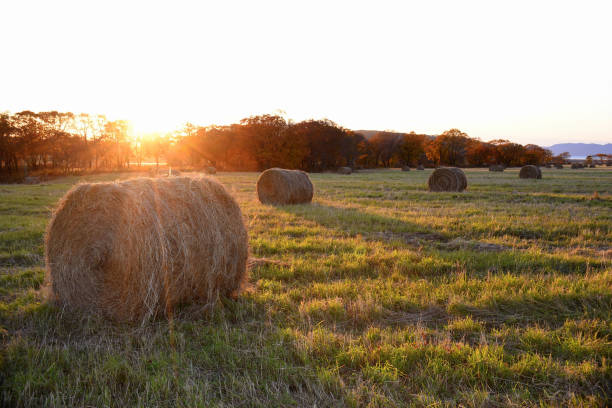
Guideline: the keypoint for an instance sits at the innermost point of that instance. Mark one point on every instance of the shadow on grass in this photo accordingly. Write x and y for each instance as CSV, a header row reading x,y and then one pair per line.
x,y
352,222
446,252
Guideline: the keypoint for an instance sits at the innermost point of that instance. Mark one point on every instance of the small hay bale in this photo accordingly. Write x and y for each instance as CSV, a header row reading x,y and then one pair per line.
x,y
405,168
530,171
420,167
344,170
447,179
31,180
497,167
210,170
135,250
279,187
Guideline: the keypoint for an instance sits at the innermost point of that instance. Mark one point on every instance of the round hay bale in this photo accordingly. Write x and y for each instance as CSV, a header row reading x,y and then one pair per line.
x,y
31,180
497,167
530,171
462,178
344,170
210,170
135,250
420,167
559,166
447,179
405,168
279,186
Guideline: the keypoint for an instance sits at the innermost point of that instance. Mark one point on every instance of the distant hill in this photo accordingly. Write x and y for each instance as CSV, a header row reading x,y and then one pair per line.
x,y
581,149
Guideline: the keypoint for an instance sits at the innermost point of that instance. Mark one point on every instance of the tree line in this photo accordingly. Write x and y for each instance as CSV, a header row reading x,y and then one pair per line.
x,y
67,142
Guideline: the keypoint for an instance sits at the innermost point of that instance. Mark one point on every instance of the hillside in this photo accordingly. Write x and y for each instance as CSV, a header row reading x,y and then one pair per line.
x,y
581,149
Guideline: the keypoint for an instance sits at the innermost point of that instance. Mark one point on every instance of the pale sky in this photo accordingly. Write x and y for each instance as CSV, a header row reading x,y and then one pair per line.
x,y
529,71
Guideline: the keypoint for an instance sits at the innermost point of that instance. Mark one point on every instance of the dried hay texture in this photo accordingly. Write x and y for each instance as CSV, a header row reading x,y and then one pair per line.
x,y
447,179
497,167
405,168
210,170
344,170
530,171
279,187
136,249
420,167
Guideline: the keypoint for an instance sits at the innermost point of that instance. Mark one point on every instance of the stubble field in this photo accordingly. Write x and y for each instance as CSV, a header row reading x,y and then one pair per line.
x,y
377,294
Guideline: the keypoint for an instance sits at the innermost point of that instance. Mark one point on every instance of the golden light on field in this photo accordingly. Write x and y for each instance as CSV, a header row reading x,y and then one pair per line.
x,y
527,71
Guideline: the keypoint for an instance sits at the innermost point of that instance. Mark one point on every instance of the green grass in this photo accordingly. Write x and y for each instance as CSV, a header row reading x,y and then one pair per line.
x,y
385,295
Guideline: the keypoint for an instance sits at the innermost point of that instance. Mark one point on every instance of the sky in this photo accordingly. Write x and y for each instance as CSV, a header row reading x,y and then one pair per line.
x,y
528,71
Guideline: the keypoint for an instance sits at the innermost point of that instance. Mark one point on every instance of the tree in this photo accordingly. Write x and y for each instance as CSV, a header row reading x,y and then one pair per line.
x,y
385,146
116,132
156,145
449,148
480,153
601,157
411,148
536,155
509,154
323,142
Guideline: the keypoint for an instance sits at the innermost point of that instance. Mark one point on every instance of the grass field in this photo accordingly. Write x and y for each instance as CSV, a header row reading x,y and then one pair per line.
x,y
383,295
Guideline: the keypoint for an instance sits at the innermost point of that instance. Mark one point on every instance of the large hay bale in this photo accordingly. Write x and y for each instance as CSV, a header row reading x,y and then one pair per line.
x,y
447,179
405,168
344,170
279,186
136,249
497,167
420,167
210,170
530,171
